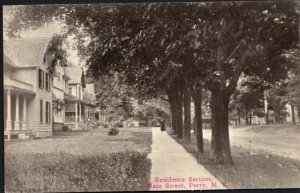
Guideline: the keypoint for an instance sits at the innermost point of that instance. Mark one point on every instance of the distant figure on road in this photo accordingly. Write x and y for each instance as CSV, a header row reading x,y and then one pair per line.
x,y
162,124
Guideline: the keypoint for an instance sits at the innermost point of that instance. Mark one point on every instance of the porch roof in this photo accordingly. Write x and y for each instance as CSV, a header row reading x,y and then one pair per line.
x,y
69,97
18,86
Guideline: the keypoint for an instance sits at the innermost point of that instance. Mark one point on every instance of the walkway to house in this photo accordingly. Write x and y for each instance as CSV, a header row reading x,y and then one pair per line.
x,y
173,168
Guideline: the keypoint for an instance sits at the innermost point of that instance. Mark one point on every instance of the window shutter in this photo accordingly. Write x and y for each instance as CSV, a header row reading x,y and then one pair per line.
x,y
47,81
40,78
47,116
41,111
49,112
43,79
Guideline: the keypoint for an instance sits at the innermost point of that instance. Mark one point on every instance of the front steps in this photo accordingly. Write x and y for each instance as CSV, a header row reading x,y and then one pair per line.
x,y
18,135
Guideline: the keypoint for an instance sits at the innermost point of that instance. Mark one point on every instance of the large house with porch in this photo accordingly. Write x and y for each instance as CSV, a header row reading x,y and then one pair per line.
x,y
36,102
27,88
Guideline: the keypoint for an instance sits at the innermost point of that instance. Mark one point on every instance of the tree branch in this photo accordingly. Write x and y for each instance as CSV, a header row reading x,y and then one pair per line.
x,y
237,72
162,98
235,49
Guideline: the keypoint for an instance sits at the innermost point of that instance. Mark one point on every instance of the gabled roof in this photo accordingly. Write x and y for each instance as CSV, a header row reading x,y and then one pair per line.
x,y
75,72
26,52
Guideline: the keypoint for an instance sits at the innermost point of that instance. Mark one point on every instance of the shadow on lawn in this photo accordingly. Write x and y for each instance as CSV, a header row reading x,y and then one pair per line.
x,y
66,134
260,170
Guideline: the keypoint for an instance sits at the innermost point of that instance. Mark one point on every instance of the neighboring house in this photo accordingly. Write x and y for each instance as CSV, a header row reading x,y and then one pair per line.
x,y
27,89
131,122
78,110
100,116
289,117
90,100
60,87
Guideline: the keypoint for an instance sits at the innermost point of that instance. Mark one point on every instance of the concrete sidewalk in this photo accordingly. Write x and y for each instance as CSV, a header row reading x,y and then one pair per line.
x,y
173,168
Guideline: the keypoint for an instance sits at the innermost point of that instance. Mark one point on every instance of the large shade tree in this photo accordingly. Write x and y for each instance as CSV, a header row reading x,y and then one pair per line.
x,y
178,48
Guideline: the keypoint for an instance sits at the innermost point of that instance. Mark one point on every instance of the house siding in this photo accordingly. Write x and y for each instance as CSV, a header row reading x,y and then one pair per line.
x,y
43,129
26,75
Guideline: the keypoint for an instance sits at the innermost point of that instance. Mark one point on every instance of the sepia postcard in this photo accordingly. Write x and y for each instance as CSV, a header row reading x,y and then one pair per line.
x,y
159,96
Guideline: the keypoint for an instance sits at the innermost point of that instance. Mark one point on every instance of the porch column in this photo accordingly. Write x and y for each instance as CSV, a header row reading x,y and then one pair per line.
x,y
17,122
24,113
79,112
76,111
8,117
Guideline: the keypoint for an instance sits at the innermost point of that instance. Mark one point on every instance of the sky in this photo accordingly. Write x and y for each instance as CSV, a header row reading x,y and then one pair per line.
x,y
47,31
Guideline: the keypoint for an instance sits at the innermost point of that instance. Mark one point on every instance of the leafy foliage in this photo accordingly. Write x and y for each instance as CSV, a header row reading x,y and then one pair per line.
x,y
114,99
57,53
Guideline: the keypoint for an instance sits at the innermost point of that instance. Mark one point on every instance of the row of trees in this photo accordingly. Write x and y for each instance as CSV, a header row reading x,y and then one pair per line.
x,y
179,49
250,100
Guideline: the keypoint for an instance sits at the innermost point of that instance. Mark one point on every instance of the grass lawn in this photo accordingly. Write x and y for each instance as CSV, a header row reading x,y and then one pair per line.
x,y
249,171
80,161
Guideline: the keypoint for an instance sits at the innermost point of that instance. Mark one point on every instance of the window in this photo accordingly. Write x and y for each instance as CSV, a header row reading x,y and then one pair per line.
x,y
41,78
70,90
41,111
48,113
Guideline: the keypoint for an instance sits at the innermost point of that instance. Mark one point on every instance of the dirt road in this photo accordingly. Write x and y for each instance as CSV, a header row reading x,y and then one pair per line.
x,y
283,140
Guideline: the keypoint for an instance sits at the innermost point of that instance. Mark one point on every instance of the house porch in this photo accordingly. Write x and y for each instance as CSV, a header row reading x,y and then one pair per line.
x,y
18,104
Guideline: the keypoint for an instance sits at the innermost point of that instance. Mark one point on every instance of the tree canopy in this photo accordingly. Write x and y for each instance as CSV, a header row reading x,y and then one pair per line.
x,y
168,48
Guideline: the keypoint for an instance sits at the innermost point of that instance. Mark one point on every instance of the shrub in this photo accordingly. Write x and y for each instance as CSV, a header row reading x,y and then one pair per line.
x,y
113,131
66,128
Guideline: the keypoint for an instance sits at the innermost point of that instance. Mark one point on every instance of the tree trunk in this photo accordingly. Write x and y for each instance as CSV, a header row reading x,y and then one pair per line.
x,y
239,116
267,117
198,118
250,118
276,110
293,114
298,109
179,116
187,115
173,103
246,115
220,144
194,125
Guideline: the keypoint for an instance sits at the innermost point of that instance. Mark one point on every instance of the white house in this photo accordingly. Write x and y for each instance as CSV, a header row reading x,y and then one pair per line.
x,y
27,89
